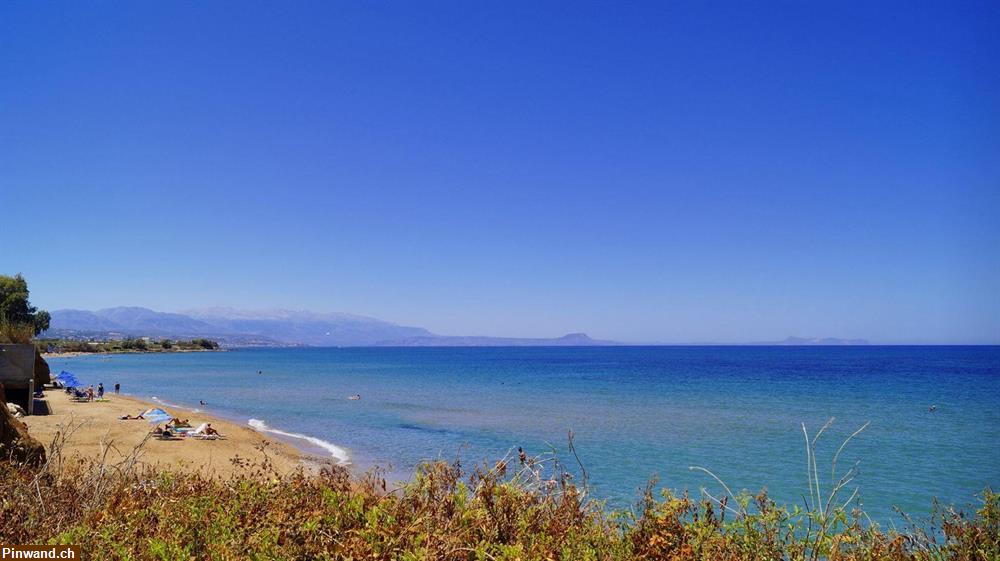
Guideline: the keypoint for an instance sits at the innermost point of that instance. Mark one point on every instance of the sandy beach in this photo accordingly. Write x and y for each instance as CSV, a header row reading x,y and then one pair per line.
x,y
94,426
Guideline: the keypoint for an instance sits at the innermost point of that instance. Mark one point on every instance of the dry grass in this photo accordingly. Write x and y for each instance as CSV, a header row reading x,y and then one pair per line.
x,y
501,511
19,333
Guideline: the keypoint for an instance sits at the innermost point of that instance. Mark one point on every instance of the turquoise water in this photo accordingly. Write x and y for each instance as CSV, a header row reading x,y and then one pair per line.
x,y
635,411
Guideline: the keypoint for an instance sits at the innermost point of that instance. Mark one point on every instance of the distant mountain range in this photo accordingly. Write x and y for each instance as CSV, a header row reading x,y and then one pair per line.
x,y
273,328
233,327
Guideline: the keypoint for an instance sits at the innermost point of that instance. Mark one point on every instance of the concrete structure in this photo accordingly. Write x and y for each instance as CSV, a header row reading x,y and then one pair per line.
x,y
17,374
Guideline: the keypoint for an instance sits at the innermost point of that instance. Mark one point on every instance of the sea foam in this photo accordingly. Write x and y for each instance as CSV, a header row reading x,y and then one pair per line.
x,y
337,452
166,403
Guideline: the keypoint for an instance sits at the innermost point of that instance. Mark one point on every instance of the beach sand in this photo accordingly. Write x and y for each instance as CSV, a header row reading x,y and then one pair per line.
x,y
95,426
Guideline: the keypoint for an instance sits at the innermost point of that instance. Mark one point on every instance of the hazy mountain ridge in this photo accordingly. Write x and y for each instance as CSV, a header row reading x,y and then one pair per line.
x,y
227,313
128,321
143,319
282,327
288,327
276,327
309,328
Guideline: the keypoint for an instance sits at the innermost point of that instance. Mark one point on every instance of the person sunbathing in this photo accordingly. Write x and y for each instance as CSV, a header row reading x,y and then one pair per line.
x,y
163,432
177,423
128,417
205,430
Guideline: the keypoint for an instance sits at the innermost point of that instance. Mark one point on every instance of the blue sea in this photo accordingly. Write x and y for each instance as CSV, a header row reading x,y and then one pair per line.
x,y
636,412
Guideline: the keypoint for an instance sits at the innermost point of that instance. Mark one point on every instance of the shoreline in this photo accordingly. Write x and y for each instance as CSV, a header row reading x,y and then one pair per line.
x,y
72,354
94,429
314,450
337,454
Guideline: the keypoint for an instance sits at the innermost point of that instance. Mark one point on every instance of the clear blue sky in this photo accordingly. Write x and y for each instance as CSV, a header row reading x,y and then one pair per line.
x,y
678,172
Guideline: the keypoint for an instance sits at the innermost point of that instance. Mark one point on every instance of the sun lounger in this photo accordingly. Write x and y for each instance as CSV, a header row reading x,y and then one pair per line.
x,y
206,436
200,434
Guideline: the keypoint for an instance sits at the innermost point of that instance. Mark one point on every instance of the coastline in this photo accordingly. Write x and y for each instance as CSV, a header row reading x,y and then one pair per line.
x,y
71,354
94,429
311,447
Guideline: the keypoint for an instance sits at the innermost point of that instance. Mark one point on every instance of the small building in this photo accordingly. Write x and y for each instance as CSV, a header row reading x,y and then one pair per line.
x,y
17,374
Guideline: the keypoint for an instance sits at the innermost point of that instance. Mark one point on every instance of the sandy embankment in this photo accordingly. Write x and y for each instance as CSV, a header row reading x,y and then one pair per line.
x,y
95,425
67,354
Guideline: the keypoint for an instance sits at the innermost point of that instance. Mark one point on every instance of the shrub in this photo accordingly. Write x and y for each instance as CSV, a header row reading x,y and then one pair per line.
x,y
501,511
133,344
12,332
205,344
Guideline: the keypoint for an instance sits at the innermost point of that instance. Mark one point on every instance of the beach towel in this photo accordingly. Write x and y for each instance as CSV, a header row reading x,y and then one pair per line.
x,y
200,430
205,436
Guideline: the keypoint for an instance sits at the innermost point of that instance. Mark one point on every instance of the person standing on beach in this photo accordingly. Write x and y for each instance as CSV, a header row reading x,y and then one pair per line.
x,y
90,393
100,390
118,388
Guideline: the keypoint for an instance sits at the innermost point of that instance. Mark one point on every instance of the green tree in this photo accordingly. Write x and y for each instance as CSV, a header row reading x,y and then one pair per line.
x,y
15,307
134,344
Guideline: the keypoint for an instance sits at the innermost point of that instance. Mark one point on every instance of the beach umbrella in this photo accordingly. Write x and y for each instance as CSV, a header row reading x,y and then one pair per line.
x,y
68,380
157,415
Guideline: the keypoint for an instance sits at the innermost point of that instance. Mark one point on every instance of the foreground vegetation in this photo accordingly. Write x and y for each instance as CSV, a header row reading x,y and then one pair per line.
x,y
504,511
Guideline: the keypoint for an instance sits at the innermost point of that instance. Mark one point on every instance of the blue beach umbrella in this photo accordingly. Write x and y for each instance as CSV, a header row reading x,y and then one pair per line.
x,y
68,380
157,415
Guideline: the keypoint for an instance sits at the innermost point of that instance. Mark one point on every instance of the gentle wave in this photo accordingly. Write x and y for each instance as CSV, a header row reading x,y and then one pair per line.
x,y
337,452
175,406
167,403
